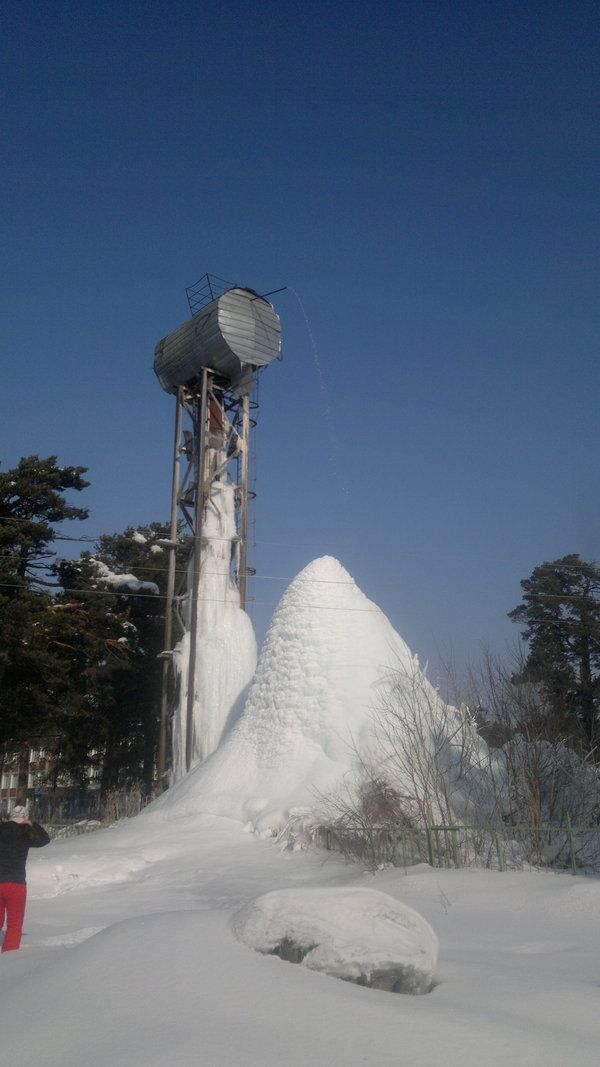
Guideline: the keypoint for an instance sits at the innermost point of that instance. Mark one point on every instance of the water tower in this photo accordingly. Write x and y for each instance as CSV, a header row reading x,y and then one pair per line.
x,y
210,365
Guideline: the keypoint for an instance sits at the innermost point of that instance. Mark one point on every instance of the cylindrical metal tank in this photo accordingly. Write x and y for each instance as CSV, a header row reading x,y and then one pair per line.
x,y
234,335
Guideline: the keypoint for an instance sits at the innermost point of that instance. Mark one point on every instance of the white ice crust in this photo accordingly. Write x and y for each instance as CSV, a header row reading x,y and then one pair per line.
x,y
350,933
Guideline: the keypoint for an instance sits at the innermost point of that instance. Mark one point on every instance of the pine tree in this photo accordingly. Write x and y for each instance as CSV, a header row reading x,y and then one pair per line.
x,y
132,711
561,615
78,653
31,503
32,670
88,635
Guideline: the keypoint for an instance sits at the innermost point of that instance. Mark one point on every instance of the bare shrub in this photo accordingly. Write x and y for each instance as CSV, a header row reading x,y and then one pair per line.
x,y
502,704
428,751
424,763
434,771
368,820
123,804
542,780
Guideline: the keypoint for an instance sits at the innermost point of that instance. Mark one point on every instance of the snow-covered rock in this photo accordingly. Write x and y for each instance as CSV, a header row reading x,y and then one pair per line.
x,y
360,935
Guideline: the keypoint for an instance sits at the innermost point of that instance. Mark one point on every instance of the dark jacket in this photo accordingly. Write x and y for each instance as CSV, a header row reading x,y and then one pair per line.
x,y
15,841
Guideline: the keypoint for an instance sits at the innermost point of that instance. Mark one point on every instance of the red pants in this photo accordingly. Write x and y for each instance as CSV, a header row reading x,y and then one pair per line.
x,y
13,896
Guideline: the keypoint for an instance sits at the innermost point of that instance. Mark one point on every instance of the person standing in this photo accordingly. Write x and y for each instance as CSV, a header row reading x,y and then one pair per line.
x,y
17,836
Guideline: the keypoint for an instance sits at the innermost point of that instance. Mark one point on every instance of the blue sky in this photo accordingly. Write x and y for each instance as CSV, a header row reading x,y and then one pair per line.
x,y
424,175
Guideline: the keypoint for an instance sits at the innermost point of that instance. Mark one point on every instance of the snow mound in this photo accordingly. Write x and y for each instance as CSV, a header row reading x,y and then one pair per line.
x,y
360,935
308,709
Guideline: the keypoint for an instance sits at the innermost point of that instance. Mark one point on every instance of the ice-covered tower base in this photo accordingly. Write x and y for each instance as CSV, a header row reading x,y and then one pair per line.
x,y
226,651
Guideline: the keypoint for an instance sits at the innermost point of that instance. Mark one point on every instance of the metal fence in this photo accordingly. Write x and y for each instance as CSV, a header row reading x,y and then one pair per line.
x,y
70,816
62,809
58,831
500,847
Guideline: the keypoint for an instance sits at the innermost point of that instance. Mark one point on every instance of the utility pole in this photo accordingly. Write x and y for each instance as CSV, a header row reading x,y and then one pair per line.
x,y
245,443
168,637
200,443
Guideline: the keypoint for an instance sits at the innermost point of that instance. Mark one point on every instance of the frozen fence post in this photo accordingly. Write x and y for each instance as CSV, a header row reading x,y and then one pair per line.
x,y
429,845
571,846
500,850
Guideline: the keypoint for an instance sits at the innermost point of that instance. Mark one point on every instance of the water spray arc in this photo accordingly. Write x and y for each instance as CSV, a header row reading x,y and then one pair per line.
x,y
210,365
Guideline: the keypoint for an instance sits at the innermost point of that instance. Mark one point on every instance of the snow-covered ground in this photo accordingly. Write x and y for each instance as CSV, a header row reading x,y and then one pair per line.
x,y
130,960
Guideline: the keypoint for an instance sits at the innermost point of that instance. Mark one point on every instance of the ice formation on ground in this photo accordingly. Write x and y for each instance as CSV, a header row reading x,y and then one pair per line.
x,y
309,708
226,652
360,935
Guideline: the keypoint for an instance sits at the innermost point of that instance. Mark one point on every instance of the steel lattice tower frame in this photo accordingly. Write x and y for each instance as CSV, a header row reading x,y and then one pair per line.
x,y
209,422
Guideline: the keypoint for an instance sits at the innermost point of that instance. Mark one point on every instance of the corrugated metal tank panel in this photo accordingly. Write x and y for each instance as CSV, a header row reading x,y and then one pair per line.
x,y
250,326
238,331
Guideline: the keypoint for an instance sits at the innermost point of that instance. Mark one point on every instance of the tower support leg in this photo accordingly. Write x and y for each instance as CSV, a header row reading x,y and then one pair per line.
x,y
243,566
161,761
200,442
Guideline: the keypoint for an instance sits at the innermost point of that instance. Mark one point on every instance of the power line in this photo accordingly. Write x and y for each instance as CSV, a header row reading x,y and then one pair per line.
x,y
220,600
288,544
213,574
94,538
201,599
316,581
